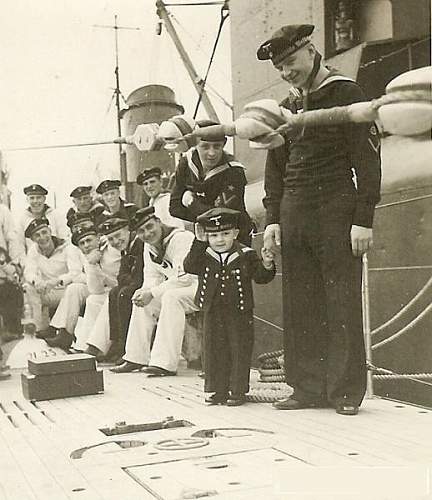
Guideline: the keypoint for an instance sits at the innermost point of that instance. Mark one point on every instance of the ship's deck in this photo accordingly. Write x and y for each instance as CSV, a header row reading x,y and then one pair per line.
x,y
307,454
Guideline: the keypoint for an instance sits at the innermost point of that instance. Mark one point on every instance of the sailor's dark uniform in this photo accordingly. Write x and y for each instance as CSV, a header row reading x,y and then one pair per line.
x,y
310,191
225,296
126,211
222,186
95,215
129,279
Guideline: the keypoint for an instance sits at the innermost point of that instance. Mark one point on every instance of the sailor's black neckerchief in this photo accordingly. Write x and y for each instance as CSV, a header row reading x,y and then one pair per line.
x,y
157,253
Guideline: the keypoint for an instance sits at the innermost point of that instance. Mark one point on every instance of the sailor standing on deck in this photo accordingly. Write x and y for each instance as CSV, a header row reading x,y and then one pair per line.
x,y
208,177
166,296
323,220
36,198
115,206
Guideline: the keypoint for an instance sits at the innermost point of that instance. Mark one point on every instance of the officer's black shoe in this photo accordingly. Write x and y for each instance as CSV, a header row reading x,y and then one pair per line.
x,y
295,404
236,400
218,398
63,340
347,409
126,367
50,332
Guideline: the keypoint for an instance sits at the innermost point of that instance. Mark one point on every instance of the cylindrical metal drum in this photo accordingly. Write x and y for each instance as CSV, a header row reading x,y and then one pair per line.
x,y
148,104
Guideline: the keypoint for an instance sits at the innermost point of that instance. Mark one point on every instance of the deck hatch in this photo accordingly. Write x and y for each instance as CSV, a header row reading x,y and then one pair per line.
x,y
212,476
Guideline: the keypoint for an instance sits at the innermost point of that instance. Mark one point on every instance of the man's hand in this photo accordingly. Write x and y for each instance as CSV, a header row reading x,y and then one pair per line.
x,y
94,256
200,234
142,297
361,240
52,283
187,198
272,238
40,286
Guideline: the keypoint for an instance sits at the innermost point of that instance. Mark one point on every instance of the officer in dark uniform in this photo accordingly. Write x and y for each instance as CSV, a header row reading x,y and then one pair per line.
x,y
85,205
226,269
208,177
114,205
129,279
324,219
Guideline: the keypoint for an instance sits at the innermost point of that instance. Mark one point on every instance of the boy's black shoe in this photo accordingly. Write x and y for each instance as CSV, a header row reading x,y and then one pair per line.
x,y
218,398
236,400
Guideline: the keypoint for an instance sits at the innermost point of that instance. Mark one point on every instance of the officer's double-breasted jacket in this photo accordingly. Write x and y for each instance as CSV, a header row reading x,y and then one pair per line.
x,y
226,278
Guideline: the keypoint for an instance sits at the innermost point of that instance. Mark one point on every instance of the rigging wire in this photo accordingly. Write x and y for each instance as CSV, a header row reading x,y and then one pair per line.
x,y
224,14
197,43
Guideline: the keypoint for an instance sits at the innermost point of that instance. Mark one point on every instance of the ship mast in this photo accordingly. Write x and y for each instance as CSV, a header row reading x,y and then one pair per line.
x,y
198,82
117,94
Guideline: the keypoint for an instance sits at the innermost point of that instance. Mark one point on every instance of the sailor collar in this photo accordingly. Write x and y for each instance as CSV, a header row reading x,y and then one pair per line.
x,y
235,253
46,209
196,168
158,256
152,201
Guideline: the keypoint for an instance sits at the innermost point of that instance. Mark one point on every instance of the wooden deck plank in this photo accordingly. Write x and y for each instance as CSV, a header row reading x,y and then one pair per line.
x,y
43,484
382,434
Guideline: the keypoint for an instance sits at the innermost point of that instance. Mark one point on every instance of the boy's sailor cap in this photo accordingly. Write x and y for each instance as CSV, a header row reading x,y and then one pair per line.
x,y
35,189
80,191
35,225
108,185
284,42
148,173
112,224
219,219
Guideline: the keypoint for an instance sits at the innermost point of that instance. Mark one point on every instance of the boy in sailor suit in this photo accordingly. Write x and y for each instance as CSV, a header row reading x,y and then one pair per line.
x,y
226,269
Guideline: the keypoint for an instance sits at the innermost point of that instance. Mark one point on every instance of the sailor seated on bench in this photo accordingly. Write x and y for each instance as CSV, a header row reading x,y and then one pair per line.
x,y
165,298
101,264
50,266
108,332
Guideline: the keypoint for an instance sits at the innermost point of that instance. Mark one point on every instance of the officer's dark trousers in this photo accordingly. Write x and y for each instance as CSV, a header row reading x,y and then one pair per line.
x,y
228,344
323,341
120,310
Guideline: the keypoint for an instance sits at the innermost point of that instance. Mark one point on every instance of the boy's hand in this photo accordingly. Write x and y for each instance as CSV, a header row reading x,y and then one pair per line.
x,y
267,257
272,237
200,234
